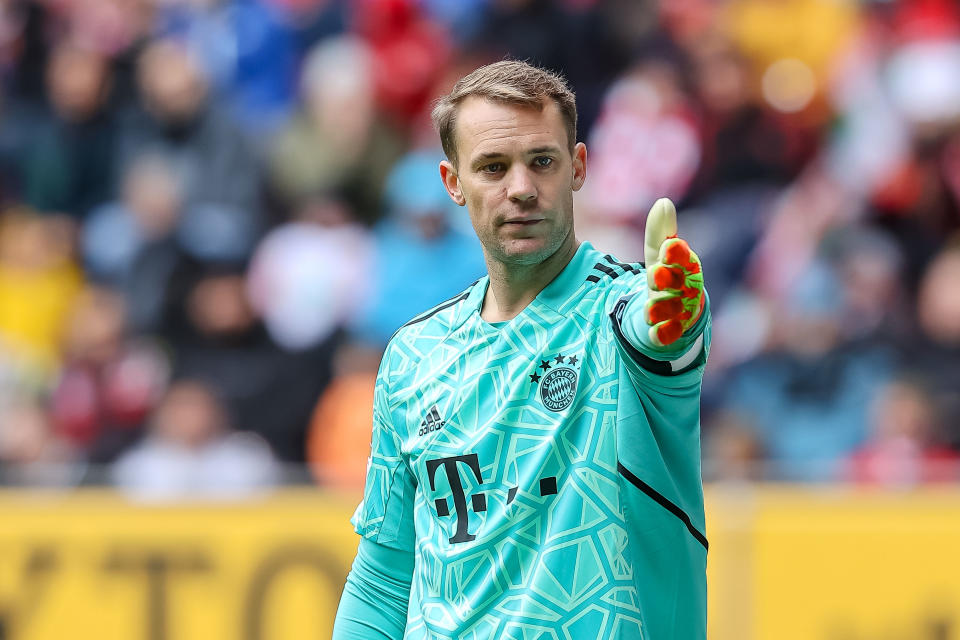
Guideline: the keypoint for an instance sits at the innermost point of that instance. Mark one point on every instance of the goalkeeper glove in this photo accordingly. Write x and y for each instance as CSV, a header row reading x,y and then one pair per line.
x,y
674,280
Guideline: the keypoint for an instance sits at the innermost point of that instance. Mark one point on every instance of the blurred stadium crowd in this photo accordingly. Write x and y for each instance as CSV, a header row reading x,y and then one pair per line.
x,y
216,212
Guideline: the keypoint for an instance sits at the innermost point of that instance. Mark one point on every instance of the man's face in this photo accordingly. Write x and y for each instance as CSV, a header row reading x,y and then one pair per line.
x,y
516,176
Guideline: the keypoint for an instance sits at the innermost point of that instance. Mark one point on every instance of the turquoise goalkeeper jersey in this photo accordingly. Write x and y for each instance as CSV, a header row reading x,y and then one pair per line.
x,y
545,471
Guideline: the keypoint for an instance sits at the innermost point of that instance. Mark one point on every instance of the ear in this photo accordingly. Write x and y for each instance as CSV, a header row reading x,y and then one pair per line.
x,y
451,182
579,165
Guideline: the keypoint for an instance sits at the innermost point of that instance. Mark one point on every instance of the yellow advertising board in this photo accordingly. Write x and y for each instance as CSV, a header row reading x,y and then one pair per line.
x,y
834,564
93,567
784,564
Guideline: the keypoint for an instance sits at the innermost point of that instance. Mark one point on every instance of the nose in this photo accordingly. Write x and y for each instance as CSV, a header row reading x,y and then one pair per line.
x,y
520,185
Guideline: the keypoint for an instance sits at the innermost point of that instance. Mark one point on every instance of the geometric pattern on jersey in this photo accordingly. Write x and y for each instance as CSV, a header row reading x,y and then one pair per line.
x,y
496,457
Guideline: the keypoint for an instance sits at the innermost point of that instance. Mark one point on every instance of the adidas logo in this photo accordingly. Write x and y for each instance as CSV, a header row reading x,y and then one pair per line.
x,y
433,422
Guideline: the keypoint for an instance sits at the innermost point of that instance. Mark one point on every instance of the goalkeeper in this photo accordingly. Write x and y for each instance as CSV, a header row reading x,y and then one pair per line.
x,y
535,462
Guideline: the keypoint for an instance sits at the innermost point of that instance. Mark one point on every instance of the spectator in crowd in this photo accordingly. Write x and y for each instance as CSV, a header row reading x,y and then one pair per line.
x,y
109,381
870,271
644,144
191,451
267,389
68,164
133,244
269,40
149,241
808,392
745,143
591,42
906,445
309,276
408,53
38,282
218,164
337,143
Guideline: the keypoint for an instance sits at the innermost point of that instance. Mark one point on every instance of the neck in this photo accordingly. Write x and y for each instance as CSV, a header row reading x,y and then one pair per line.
x,y
513,287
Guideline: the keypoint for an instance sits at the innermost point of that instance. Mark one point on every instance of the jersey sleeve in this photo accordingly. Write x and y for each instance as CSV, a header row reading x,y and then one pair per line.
x,y
386,513
376,596
658,444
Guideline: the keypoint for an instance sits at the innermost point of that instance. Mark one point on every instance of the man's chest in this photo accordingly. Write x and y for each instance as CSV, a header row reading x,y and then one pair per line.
x,y
497,428
530,378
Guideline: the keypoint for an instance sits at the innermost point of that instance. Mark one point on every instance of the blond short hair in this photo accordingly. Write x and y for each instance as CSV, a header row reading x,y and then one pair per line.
x,y
510,82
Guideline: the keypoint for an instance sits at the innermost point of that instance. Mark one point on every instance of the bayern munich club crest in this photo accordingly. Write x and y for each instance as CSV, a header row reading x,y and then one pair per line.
x,y
557,381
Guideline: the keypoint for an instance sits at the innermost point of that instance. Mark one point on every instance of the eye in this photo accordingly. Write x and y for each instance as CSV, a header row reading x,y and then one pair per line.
x,y
493,167
543,161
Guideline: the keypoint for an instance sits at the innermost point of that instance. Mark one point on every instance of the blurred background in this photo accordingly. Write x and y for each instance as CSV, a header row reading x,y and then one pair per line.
x,y
215,213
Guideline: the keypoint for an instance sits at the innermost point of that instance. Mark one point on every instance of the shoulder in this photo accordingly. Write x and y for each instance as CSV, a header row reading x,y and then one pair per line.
x,y
589,286
611,272
418,336
448,314
605,280
608,277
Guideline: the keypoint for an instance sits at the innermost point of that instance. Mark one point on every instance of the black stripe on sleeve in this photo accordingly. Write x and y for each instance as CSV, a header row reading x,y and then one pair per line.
x,y
654,366
660,499
593,278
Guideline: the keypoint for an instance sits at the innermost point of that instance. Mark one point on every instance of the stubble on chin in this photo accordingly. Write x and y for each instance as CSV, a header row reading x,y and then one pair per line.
x,y
523,258
514,252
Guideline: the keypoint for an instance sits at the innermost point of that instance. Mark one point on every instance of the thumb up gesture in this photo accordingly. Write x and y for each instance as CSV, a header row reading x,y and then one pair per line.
x,y
674,277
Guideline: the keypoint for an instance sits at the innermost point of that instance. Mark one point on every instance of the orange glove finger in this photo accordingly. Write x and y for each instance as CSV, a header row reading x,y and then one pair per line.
x,y
662,309
667,332
668,278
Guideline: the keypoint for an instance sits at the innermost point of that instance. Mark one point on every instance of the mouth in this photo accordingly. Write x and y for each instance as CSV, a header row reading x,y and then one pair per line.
x,y
522,223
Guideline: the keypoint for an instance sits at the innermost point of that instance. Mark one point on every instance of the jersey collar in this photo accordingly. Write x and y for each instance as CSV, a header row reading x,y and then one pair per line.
x,y
573,276
567,282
